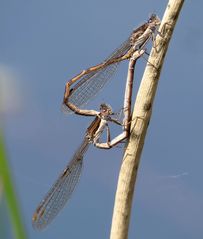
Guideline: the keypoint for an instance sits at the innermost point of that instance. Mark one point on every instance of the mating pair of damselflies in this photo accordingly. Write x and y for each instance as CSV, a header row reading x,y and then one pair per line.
x,y
78,91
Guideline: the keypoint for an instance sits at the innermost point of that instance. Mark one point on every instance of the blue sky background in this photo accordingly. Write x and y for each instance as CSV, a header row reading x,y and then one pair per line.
x,y
45,43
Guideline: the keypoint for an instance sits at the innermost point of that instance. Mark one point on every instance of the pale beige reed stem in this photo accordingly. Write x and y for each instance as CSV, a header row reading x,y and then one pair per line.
x,y
140,120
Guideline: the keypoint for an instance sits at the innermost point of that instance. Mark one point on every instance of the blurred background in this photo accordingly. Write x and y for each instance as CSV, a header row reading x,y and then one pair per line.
x,y
45,43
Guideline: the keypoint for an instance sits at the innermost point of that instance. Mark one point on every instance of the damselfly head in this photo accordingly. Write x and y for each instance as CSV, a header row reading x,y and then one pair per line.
x,y
105,109
154,19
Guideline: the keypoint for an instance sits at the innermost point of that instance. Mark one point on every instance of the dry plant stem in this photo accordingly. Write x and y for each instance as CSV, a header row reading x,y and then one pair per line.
x,y
140,121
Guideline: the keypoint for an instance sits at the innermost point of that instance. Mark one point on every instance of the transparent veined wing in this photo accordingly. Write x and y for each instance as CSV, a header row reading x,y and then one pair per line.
x,y
61,191
90,84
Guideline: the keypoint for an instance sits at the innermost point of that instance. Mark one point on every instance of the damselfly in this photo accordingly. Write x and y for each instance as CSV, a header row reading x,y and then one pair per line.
x,y
81,88
62,189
